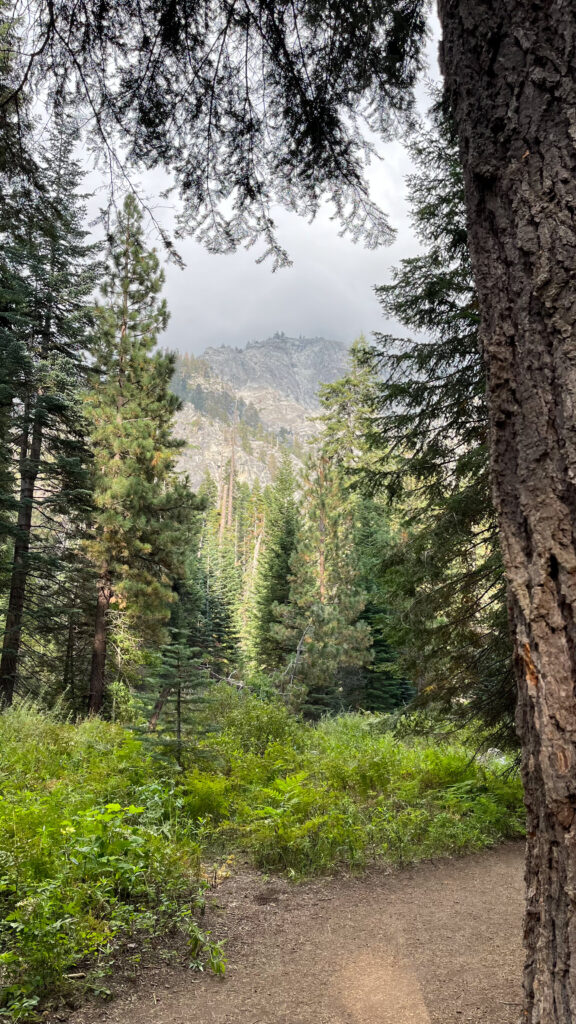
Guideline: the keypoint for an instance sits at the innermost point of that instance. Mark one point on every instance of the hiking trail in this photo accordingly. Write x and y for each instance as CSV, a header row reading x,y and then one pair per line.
x,y
437,943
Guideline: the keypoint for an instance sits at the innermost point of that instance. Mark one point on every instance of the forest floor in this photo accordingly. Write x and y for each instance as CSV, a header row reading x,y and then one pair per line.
x,y
439,943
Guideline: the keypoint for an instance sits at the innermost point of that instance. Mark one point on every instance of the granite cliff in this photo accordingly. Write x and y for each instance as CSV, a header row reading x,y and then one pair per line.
x,y
256,400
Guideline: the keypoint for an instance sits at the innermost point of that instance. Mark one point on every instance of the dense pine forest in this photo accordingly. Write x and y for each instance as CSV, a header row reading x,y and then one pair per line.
x,y
365,576
245,666
256,621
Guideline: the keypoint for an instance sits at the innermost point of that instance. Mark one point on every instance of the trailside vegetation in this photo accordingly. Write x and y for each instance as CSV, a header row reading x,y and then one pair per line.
x,y
186,676
115,849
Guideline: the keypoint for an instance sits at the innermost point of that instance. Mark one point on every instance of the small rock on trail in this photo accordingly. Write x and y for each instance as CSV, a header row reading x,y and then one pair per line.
x,y
439,943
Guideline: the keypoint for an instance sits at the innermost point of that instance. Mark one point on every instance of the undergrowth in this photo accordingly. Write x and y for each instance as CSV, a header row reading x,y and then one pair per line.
x,y
94,849
102,839
307,799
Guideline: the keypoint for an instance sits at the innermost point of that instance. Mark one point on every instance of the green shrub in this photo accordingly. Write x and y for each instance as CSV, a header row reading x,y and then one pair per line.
x,y
100,840
251,725
205,796
305,799
92,848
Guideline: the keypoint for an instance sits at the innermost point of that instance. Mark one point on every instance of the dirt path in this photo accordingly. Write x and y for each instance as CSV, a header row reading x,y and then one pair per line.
x,y
436,944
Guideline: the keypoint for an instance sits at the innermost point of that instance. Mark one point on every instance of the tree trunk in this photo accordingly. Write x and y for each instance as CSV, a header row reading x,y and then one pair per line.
x,y
69,681
29,467
510,70
158,705
98,665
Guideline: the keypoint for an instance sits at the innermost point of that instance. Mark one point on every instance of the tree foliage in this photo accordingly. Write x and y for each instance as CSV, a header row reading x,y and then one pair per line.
x,y
273,566
246,105
414,426
320,628
48,272
142,509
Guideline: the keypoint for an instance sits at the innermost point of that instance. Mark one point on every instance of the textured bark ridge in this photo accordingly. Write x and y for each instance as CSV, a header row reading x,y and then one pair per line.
x,y
510,71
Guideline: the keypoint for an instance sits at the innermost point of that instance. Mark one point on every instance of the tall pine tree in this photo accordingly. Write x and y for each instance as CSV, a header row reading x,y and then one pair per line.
x,y
321,629
142,507
273,566
419,435
48,273
348,438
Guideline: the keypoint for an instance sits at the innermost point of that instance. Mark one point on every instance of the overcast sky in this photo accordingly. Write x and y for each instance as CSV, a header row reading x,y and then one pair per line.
x,y
327,292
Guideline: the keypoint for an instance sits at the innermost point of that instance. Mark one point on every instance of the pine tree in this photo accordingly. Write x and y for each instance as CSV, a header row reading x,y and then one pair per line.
x,y
222,588
16,140
48,275
142,508
351,438
411,420
174,694
271,587
14,383
321,630
432,412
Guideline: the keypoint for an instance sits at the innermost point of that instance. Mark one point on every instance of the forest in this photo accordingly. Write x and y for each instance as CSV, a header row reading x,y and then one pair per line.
x,y
209,632
367,662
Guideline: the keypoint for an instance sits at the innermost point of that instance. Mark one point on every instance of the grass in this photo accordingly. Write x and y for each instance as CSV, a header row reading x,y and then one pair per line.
x,y
101,839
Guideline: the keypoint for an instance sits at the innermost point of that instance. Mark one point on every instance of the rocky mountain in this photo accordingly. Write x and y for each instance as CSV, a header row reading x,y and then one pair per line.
x,y
293,367
252,402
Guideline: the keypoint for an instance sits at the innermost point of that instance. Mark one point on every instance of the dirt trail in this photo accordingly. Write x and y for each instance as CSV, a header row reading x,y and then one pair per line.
x,y
437,944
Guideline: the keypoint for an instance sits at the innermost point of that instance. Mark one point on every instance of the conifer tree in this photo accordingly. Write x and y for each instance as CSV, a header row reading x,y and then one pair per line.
x,y
419,434
16,158
16,373
142,508
321,629
273,569
175,692
352,440
222,585
48,274
432,411
250,530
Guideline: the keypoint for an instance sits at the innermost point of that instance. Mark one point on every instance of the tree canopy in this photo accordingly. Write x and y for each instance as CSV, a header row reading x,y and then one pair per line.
x,y
247,105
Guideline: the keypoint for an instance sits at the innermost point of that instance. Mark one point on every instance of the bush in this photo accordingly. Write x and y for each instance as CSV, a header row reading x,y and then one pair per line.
x,y
100,840
93,846
305,799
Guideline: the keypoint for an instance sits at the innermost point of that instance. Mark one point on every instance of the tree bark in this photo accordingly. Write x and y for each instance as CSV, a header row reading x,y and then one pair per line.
x,y
510,74
29,468
98,665
158,705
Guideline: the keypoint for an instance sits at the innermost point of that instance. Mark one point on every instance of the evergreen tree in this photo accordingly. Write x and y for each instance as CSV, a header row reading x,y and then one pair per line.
x,y
222,586
350,439
16,160
175,692
387,686
16,374
48,273
411,421
142,508
273,566
321,630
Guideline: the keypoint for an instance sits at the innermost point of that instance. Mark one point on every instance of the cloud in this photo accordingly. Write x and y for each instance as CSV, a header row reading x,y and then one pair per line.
x,y
327,292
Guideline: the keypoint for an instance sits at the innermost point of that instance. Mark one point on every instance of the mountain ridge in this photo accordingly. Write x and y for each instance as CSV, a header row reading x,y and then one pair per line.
x,y
295,367
258,400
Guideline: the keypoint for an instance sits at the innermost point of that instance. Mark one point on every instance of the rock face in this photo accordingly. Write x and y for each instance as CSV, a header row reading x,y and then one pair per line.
x,y
295,367
257,400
